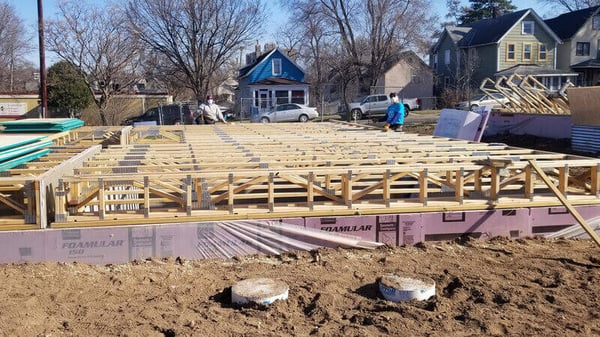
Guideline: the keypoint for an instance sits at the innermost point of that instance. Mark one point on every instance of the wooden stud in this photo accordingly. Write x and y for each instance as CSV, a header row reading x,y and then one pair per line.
x,y
595,180
101,199
230,192
494,184
459,188
563,179
529,183
387,187
423,186
310,191
188,195
146,196
271,192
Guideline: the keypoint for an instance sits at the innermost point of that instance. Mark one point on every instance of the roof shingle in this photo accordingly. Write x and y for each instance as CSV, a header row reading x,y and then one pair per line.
x,y
567,24
490,31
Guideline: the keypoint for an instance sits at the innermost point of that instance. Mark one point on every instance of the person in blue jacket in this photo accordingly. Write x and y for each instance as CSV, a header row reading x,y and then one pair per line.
x,y
394,117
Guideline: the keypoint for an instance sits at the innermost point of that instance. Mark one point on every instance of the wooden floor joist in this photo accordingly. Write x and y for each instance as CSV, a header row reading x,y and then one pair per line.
x,y
251,171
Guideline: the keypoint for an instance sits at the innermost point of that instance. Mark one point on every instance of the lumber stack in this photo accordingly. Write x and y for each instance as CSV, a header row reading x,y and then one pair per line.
x,y
37,125
16,150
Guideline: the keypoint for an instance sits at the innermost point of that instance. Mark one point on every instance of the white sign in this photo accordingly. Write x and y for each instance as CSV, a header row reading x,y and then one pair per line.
x,y
461,124
13,109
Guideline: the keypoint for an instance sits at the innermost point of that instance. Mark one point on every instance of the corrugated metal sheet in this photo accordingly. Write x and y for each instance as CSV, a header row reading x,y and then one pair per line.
x,y
585,138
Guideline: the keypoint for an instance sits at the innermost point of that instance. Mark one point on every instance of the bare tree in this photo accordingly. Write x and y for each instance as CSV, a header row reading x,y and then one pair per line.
x,y
95,40
15,43
372,32
571,5
310,34
196,37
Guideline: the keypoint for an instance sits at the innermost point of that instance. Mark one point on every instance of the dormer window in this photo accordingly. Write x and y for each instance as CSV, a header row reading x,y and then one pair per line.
x,y
276,67
527,27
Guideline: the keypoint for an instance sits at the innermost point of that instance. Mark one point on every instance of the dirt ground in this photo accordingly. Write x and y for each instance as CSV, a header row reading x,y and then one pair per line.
x,y
529,287
501,287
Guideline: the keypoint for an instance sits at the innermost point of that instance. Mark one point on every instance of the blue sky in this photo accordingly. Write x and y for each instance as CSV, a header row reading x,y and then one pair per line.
x,y
27,9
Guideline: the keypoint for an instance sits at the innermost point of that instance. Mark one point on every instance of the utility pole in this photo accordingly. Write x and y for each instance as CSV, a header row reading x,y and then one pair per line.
x,y
43,91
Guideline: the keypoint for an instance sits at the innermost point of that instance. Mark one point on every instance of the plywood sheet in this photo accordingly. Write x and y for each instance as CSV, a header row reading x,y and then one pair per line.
x,y
585,105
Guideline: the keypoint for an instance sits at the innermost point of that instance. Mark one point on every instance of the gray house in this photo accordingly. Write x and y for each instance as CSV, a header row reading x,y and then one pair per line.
x,y
501,46
580,48
445,58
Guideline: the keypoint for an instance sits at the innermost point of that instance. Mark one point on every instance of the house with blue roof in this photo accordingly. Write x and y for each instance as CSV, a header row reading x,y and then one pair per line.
x,y
580,48
269,79
515,43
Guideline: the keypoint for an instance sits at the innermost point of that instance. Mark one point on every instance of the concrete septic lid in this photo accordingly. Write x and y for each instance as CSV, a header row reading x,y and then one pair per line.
x,y
259,290
402,287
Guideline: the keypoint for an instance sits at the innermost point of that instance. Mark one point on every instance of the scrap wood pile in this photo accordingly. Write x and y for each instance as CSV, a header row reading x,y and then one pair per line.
x,y
526,94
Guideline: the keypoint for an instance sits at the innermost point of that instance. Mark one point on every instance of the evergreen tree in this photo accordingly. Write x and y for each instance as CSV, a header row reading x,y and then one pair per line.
x,y
67,91
485,9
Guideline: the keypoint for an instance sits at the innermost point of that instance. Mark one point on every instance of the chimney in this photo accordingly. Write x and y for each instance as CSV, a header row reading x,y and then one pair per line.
x,y
257,49
269,47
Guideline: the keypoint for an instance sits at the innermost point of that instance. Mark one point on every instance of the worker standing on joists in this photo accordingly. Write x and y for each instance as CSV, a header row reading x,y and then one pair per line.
x,y
210,112
394,117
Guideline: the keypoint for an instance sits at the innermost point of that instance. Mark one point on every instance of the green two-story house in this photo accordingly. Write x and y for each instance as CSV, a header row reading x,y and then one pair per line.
x,y
519,42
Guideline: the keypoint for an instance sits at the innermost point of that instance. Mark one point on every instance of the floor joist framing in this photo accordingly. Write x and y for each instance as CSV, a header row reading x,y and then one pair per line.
x,y
252,171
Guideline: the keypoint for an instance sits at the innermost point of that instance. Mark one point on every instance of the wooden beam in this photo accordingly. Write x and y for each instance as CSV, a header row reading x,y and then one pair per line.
x,y
566,203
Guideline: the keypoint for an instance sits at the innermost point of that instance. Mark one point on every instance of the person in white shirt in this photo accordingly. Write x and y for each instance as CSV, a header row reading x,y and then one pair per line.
x,y
210,112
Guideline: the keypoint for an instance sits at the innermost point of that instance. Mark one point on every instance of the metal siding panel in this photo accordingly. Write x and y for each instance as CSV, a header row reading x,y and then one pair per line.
x,y
585,138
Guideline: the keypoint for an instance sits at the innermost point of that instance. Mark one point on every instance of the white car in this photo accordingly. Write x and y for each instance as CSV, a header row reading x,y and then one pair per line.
x,y
495,100
290,112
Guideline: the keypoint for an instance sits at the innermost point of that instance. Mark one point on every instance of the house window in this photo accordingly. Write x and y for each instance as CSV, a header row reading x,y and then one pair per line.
x,y
527,52
596,22
527,27
447,57
435,61
582,49
510,52
543,52
281,97
276,67
298,97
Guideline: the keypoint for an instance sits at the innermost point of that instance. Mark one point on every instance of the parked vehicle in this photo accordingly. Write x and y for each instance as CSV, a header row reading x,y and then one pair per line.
x,y
290,112
173,114
495,100
170,114
374,105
